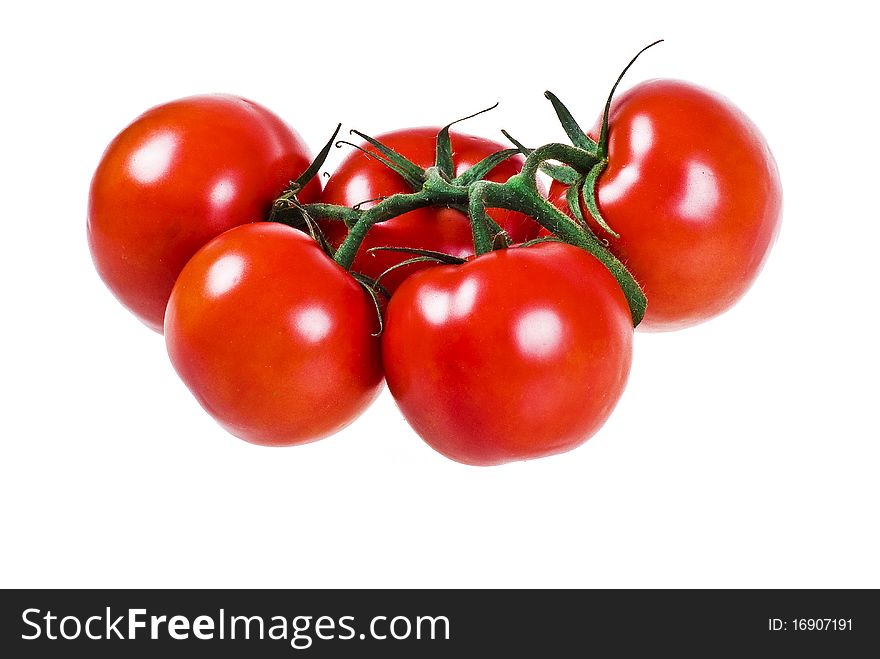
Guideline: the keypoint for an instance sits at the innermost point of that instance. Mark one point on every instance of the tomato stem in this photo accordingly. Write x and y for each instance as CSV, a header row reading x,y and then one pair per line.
x,y
579,159
436,191
520,194
479,218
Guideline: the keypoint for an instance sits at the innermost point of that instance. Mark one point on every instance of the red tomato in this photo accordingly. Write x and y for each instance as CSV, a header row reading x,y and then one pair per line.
x,y
693,191
517,354
273,337
360,178
179,175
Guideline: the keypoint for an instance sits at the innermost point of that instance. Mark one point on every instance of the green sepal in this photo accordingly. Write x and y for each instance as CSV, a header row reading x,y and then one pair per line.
x,y
571,127
482,168
312,170
295,215
602,149
285,206
637,303
441,257
371,286
588,191
412,174
443,159
562,173
573,197
318,235
538,241
372,283
347,215
287,211
408,262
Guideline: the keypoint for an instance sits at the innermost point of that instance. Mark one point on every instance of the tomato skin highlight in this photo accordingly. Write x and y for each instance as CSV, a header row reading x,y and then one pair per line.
x,y
360,178
272,337
517,354
694,192
176,177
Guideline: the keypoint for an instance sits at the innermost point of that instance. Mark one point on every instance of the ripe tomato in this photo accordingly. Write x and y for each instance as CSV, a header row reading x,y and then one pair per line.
x,y
179,175
360,178
517,354
273,337
693,191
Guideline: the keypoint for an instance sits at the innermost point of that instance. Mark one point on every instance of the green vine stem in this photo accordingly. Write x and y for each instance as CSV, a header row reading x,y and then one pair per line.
x,y
436,191
520,193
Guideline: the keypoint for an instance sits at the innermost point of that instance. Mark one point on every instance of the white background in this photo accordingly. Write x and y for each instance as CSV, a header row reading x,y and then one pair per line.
x,y
743,453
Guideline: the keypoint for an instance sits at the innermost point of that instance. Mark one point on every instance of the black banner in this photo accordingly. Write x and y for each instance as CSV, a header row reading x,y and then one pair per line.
x,y
435,623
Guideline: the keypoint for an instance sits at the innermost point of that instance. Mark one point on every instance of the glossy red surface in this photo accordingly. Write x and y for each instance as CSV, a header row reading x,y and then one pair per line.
x,y
517,354
273,337
179,175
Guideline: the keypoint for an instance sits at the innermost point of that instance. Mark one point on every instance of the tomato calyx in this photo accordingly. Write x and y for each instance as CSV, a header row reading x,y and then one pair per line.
x,y
442,173
295,187
440,257
287,208
437,180
374,289
413,175
582,172
420,256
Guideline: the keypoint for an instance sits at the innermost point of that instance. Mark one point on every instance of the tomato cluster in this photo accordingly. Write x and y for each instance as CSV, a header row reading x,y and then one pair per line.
x,y
500,315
